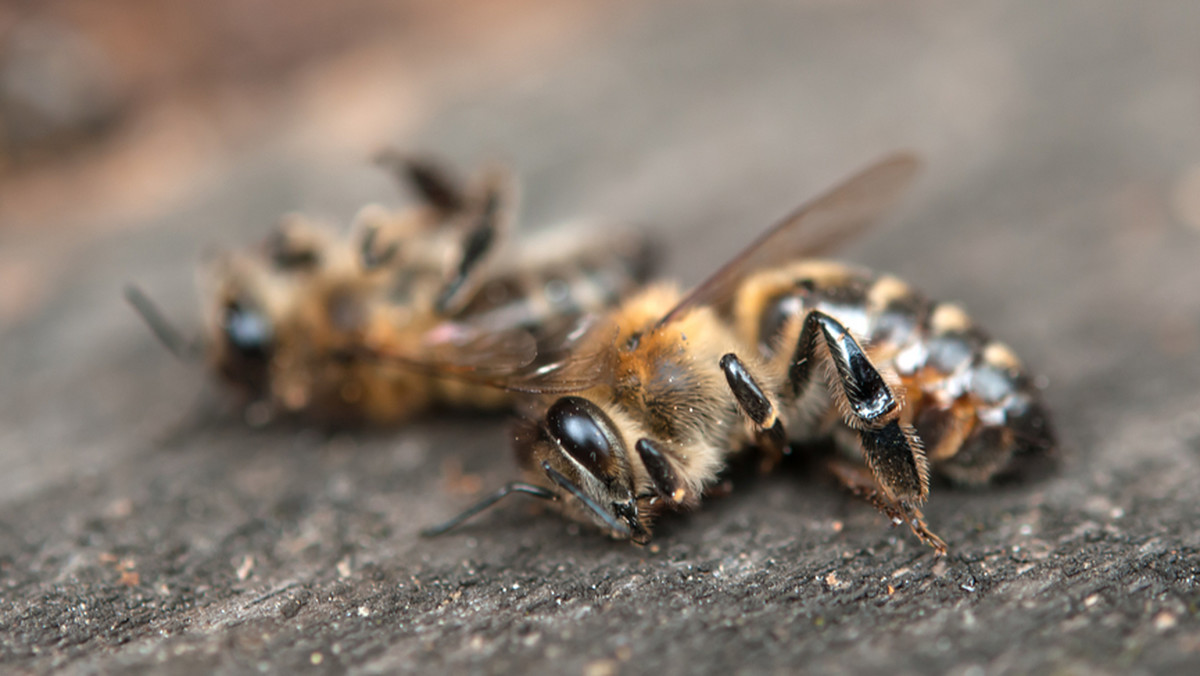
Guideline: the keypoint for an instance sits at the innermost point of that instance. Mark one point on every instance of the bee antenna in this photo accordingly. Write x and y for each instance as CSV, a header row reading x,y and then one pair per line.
x,y
168,335
508,489
609,520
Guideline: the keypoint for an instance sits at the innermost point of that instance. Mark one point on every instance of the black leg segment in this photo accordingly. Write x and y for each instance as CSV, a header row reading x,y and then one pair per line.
x,y
866,392
479,243
748,392
892,450
372,259
897,460
666,482
770,433
432,182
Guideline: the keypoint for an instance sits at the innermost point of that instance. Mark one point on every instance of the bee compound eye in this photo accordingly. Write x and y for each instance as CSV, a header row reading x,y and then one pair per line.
x,y
247,330
584,431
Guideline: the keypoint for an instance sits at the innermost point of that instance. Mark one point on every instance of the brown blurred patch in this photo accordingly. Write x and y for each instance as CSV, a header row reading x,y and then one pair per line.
x,y
458,482
24,284
1185,197
1141,213
123,105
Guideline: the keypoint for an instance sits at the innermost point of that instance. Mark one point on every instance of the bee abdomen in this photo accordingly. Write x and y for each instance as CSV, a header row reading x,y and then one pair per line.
x,y
968,396
971,401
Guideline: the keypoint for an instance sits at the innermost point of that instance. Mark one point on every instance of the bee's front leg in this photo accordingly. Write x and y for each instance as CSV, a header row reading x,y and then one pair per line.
x,y
769,431
662,475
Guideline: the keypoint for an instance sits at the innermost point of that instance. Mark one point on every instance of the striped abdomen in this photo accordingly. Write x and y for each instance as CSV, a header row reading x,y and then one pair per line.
x,y
968,396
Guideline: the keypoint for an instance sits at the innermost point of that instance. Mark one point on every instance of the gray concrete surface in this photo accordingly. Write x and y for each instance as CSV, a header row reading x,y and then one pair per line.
x,y
1060,206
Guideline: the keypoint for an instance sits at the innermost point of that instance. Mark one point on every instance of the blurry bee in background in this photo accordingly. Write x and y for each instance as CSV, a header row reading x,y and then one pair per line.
x,y
434,286
777,348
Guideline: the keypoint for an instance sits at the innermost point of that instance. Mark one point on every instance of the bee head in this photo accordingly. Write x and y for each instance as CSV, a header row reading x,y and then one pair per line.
x,y
581,451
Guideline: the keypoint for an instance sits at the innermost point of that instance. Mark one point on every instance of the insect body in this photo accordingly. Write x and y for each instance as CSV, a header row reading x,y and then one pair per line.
x,y
769,352
437,287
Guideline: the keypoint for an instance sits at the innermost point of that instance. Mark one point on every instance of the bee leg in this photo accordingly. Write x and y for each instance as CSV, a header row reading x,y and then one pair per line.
x,y
868,405
436,186
769,431
295,244
859,481
480,243
369,257
662,475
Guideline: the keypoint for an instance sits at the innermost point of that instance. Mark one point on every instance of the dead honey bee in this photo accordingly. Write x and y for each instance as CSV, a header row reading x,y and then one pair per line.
x,y
436,286
777,348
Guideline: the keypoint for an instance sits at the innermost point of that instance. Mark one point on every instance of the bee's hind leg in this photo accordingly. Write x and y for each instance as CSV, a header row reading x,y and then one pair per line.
x,y
769,431
868,406
859,481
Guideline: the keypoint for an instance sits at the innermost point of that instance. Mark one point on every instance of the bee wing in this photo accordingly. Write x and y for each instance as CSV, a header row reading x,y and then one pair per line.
x,y
813,229
567,360
544,360
455,346
506,361
574,372
459,351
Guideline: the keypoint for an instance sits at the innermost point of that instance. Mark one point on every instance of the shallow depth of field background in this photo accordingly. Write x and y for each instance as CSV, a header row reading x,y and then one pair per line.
x,y
1060,204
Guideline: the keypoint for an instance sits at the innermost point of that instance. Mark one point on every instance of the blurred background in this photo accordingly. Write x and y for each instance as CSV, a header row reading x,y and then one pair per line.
x,y
1060,204
160,129
117,116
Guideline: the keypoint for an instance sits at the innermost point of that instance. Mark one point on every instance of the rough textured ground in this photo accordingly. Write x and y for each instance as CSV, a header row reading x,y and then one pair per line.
x,y
1061,205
